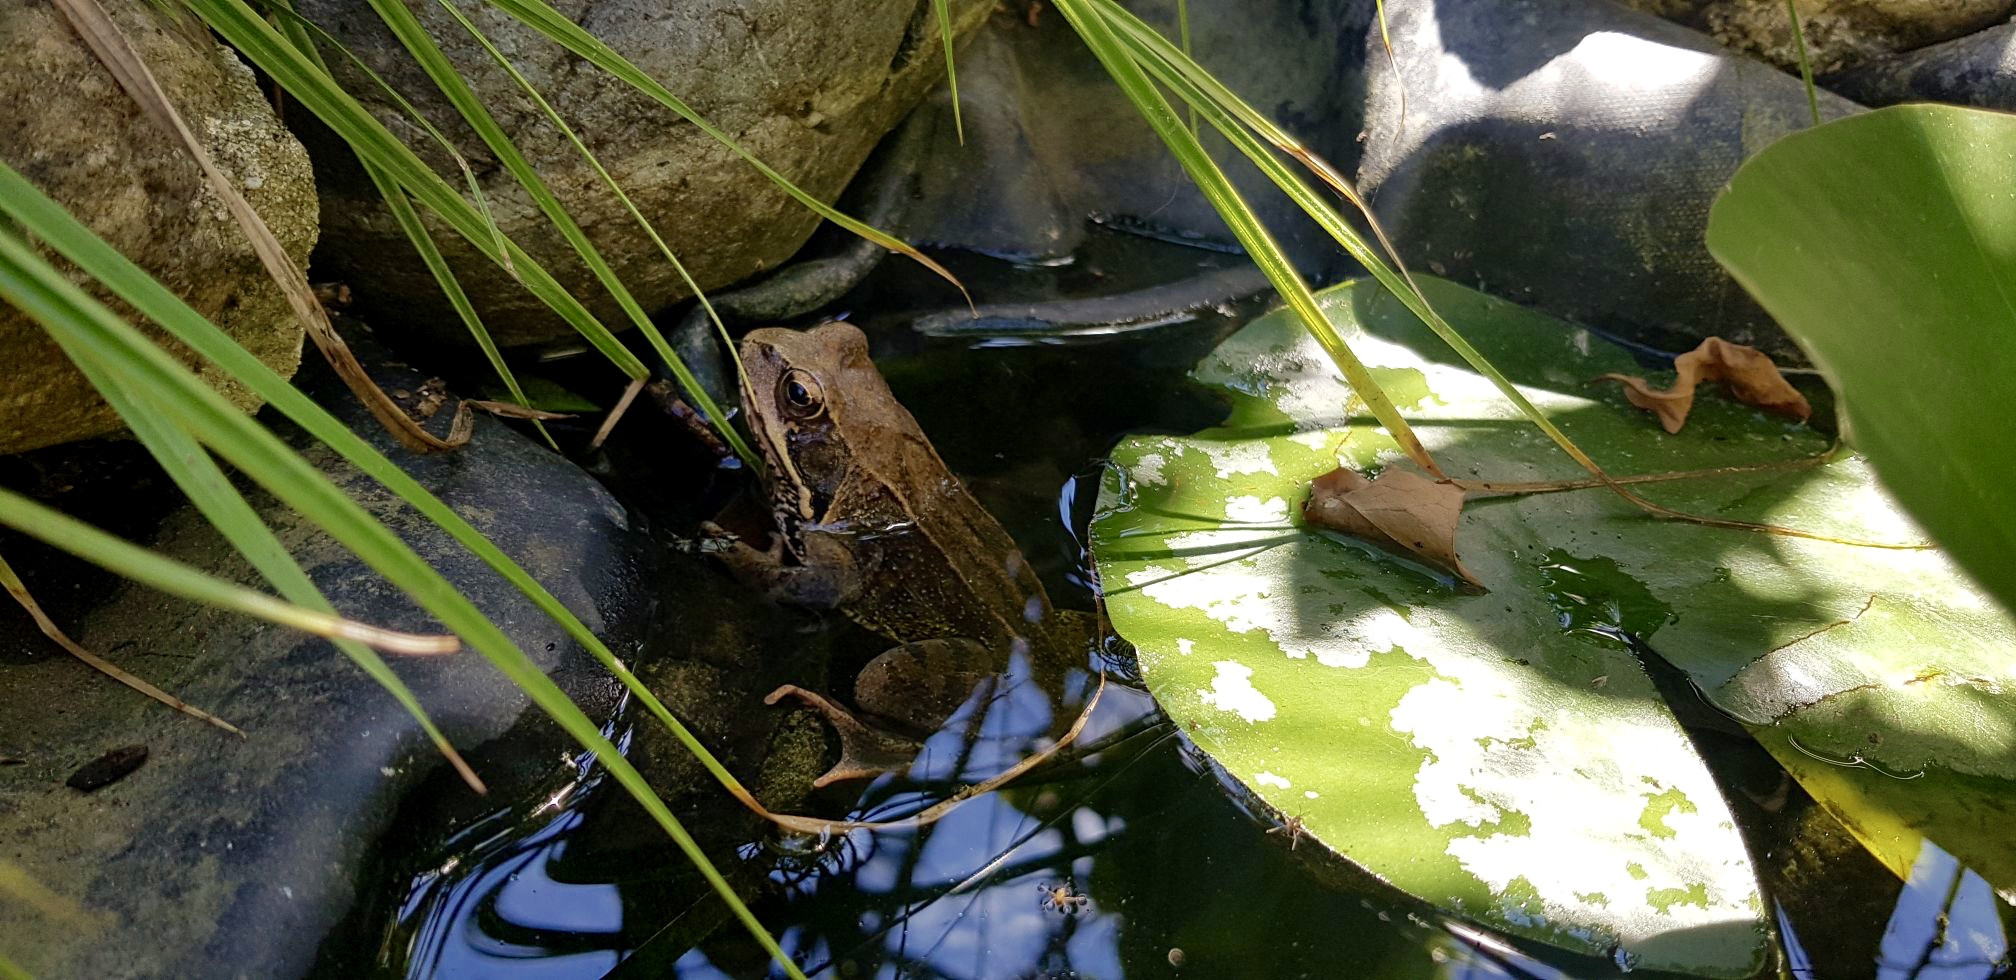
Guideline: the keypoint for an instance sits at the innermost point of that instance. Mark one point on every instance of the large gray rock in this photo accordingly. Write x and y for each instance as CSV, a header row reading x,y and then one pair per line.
x,y
1837,33
1053,151
1977,70
809,89
236,857
1563,154
1057,145
73,132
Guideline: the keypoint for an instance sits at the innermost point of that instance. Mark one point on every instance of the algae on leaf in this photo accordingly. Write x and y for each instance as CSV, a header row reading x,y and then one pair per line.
x,y
1505,756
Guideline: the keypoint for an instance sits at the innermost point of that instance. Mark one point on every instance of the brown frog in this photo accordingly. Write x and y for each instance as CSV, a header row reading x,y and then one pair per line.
x,y
870,522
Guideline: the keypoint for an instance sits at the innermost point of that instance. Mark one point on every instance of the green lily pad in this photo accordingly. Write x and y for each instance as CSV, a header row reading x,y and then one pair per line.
x,y
1505,756
1885,244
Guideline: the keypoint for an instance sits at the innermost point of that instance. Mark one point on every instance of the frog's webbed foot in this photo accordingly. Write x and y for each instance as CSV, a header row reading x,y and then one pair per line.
x,y
865,751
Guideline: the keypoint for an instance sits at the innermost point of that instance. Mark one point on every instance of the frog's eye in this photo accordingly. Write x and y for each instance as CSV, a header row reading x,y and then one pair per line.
x,y
800,394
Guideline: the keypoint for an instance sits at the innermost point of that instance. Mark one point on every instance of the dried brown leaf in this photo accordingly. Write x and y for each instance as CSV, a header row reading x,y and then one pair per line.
x,y
1403,513
1748,372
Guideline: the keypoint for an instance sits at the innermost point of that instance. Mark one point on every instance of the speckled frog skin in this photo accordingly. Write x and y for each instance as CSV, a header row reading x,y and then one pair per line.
x,y
870,521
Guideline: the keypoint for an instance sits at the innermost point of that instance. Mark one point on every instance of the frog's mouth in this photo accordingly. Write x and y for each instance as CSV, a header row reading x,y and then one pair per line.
x,y
789,491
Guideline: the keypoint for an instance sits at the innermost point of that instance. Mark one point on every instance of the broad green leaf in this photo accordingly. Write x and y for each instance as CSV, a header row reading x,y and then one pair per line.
x,y
1885,244
548,395
1505,756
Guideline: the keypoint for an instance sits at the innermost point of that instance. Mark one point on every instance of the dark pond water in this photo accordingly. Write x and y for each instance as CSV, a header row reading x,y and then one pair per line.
x,y
1126,857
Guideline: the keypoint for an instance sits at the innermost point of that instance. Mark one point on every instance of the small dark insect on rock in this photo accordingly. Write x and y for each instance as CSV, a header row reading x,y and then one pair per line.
x,y
107,769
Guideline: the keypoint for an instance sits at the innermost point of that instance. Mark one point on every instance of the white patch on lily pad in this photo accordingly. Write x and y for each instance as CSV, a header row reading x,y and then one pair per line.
x,y
1233,458
1383,629
1232,690
1184,646
1243,592
1253,510
1308,388
1272,779
1148,469
1531,774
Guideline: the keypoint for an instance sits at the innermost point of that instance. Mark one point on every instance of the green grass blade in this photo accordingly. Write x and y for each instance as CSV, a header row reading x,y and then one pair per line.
x,y
304,79
130,560
1259,243
1183,37
650,330
1805,63
8,971
107,339
304,34
573,37
203,482
428,55
56,228
951,73
1232,117
1145,41
416,232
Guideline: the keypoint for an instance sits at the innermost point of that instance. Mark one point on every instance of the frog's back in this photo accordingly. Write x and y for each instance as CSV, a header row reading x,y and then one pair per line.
x,y
934,563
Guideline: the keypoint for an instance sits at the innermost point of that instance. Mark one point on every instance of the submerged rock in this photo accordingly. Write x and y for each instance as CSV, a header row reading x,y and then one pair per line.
x,y
228,856
75,134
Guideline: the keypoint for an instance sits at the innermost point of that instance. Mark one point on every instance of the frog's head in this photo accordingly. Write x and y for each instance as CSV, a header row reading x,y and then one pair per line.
x,y
815,404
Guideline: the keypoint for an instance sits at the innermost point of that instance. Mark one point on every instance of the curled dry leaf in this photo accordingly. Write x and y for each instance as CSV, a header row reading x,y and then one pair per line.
x,y
1748,372
1403,513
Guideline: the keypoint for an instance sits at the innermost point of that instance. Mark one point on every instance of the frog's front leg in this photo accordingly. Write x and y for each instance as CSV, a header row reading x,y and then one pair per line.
x,y
918,685
826,578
